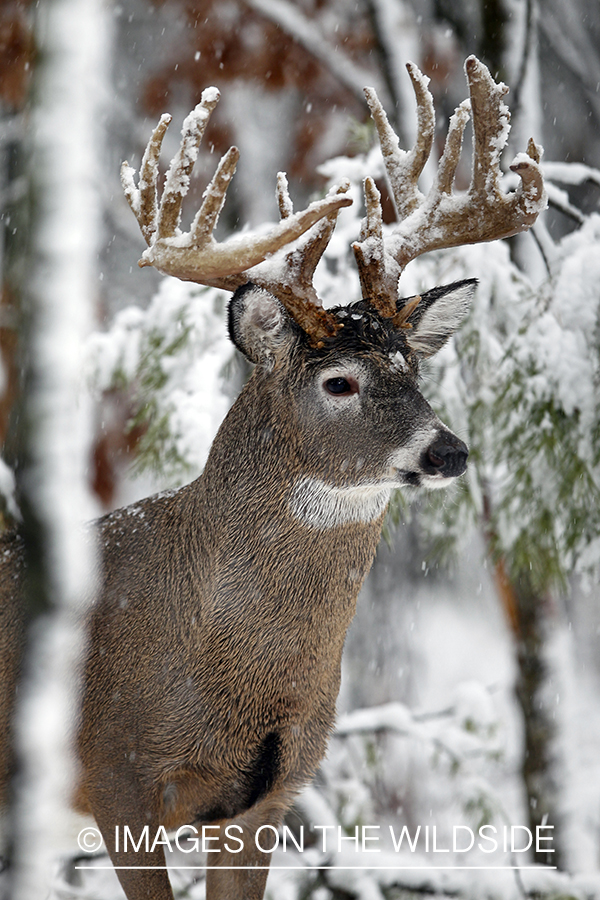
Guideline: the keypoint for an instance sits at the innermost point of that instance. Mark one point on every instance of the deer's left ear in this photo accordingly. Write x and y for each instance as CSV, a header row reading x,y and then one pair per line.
x,y
437,316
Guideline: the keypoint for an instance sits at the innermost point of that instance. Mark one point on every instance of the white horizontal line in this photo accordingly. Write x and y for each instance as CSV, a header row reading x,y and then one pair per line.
x,y
362,868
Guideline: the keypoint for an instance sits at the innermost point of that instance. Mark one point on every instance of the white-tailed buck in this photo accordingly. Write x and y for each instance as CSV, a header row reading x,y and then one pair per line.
x,y
214,656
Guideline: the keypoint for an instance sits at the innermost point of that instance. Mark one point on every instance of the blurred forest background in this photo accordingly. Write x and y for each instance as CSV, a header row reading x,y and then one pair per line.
x,y
476,646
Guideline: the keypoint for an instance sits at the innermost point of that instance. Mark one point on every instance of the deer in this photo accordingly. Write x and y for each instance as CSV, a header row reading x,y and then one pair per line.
x,y
214,647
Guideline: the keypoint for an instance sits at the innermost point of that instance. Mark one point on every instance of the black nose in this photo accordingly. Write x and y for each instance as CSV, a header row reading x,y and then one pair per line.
x,y
447,456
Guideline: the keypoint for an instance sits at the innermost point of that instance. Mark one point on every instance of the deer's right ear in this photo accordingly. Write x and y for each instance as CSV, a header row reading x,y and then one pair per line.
x,y
259,324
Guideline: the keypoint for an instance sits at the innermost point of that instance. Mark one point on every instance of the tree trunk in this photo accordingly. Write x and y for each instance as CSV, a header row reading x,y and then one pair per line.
x,y
54,280
529,615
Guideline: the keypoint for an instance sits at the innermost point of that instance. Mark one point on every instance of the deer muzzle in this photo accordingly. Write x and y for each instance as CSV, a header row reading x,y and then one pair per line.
x,y
446,456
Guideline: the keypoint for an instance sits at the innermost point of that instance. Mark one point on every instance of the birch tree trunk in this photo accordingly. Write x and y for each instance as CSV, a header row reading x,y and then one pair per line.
x,y
56,299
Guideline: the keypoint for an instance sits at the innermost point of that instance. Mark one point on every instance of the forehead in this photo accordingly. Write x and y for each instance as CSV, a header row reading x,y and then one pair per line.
x,y
364,336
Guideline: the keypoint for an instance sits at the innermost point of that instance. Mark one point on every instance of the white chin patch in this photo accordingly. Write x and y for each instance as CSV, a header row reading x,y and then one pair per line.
x,y
321,505
433,482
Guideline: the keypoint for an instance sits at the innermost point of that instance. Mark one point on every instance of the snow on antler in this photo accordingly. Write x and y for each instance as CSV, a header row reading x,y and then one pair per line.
x,y
283,259
196,256
443,218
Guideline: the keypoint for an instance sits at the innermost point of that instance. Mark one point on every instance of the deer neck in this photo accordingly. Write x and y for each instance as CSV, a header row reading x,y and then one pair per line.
x,y
264,497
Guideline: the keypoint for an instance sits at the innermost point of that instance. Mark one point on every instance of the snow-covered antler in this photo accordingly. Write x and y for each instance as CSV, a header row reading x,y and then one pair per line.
x,y
196,256
443,218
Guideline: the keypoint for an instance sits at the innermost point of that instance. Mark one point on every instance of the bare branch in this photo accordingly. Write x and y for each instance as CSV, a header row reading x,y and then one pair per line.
x,y
289,17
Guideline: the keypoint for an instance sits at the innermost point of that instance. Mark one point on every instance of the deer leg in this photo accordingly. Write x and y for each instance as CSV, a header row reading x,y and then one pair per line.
x,y
243,884
122,806
243,873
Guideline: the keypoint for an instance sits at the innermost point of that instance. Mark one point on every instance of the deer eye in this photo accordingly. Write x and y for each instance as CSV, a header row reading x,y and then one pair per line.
x,y
341,387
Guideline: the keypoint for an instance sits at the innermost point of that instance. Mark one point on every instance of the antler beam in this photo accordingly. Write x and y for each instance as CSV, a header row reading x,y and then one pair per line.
x,y
197,256
443,218
440,219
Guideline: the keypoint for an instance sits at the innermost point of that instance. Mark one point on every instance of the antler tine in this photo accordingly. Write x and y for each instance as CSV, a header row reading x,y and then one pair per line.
x,y
305,256
177,181
404,168
443,219
375,280
491,125
149,175
505,214
284,201
421,151
214,198
144,201
452,148
195,255
297,292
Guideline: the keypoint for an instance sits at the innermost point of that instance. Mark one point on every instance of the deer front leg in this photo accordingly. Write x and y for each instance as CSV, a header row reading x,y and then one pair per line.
x,y
120,804
242,873
239,883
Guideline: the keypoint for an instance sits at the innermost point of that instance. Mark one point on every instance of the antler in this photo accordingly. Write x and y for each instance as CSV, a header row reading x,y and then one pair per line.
x,y
442,218
196,256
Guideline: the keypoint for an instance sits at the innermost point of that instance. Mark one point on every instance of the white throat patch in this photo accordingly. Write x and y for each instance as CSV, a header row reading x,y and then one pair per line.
x,y
321,505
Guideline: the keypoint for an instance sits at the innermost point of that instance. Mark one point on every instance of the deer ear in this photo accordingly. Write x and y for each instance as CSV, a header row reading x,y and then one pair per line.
x,y
259,324
437,316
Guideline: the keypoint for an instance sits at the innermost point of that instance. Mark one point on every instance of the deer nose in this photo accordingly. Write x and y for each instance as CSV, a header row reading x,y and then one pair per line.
x,y
447,456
